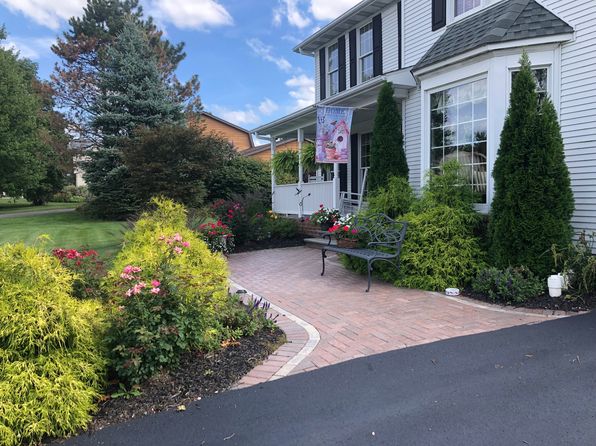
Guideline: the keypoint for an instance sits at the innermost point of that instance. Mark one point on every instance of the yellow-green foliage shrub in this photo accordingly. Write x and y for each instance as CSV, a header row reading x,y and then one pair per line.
x,y
152,324
51,363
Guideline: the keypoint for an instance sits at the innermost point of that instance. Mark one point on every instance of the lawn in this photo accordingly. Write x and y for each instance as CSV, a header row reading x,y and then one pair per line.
x,y
69,230
10,206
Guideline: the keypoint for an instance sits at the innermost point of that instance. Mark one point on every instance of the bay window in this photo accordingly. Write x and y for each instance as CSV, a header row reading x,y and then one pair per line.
x,y
458,119
462,6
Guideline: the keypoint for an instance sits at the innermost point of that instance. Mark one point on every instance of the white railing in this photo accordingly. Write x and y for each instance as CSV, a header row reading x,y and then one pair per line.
x,y
286,200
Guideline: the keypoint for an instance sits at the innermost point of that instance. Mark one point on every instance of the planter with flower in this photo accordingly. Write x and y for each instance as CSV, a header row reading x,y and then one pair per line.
x,y
346,234
325,217
218,236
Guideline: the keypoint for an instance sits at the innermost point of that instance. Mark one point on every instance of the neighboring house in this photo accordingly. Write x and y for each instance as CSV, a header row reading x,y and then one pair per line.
x,y
451,63
263,152
78,148
238,137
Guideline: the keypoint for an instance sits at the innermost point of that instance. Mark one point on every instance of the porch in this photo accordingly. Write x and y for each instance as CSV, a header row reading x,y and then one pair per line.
x,y
342,186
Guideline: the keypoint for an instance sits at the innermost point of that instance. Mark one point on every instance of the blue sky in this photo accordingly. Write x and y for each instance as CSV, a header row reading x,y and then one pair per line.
x,y
241,49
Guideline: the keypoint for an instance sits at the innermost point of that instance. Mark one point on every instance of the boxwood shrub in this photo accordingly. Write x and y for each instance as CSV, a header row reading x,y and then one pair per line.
x,y
51,361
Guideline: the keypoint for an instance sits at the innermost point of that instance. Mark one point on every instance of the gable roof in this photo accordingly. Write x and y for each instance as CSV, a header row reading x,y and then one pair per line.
x,y
229,124
506,21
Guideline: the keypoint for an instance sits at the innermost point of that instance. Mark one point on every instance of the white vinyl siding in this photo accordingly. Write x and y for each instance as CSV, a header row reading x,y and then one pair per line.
x,y
317,78
418,34
390,39
412,142
577,111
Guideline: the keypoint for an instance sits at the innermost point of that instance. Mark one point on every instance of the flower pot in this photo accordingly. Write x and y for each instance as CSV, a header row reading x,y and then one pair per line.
x,y
347,243
326,226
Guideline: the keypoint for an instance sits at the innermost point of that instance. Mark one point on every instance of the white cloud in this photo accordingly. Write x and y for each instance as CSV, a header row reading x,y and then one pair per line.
x,y
329,10
266,53
268,107
45,12
302,90
29,48
292,12
194,14
248,116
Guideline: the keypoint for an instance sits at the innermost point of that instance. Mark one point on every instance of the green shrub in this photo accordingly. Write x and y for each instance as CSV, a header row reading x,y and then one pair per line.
x,y
71,194
394,199
238,319
51,361
578,263
152,324
512,285
239,176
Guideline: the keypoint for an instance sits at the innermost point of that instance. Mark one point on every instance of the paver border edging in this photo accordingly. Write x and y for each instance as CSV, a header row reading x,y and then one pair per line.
x,y
314,336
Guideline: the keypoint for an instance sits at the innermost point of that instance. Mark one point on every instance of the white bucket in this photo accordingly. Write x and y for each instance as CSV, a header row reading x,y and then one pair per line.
x,y
555,285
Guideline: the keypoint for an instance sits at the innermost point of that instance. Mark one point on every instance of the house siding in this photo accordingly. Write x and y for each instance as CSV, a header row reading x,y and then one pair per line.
x,y
390,39
412,131
241,140
317,78
577,99
418,34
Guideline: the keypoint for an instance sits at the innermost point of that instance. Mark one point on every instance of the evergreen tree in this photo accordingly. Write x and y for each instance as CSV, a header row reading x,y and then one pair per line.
x,y
134,95
22,154
533,202
387,156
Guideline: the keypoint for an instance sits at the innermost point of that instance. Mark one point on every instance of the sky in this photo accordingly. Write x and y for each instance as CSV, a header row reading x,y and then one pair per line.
x,y
241,49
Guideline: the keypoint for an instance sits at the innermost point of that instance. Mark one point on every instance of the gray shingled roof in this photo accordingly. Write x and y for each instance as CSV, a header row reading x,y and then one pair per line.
x,y
504,22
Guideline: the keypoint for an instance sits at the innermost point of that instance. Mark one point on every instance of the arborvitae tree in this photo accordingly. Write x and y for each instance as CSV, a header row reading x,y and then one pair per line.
x,y
533,202
134,95
387,156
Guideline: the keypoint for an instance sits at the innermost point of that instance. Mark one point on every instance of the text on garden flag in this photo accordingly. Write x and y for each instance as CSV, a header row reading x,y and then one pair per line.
x,y
333,134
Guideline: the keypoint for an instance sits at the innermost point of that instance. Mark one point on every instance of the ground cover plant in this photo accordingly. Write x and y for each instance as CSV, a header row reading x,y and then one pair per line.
x,y
51,357
508,286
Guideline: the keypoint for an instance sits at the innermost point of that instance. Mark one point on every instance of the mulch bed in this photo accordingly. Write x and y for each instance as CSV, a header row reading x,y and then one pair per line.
x,y
199,375
269,244
544,302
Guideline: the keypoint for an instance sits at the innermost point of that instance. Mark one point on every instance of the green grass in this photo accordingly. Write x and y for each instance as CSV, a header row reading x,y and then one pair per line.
x,y
10,206
66,231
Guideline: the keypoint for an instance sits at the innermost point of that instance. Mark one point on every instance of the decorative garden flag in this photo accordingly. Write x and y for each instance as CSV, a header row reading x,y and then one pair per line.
x,y
333,134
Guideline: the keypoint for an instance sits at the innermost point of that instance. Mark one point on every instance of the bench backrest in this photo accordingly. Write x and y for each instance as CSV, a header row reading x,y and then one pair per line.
x,y
382,230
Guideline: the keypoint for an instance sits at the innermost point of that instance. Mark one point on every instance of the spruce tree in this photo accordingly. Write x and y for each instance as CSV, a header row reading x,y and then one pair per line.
x,y
533,202
387,156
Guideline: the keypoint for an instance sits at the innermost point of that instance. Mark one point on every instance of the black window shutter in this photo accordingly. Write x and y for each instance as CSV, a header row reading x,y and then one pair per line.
x,y
354,162
323,74
439,14
377,45
341,49
353,59
343,177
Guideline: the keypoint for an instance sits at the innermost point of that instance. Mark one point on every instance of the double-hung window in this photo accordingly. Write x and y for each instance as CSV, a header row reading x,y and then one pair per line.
x,y
462,6
366,52
458,132
365,143
333,69
541,78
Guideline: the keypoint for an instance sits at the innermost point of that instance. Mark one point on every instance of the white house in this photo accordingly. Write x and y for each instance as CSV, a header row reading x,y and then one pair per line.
x,y
451,63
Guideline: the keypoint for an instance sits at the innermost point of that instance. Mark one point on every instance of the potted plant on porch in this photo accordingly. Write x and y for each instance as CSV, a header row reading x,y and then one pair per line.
x,y
345,232
325,217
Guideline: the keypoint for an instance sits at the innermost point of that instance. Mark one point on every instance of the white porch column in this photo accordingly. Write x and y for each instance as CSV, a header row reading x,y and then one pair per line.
x,y
273,145
335,185
300,138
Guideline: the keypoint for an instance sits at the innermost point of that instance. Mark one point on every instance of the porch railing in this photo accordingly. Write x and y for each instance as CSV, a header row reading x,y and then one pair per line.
x,y
286,199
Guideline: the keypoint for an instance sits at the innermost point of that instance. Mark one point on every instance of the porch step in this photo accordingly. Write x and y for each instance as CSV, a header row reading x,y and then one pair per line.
x,y
318,242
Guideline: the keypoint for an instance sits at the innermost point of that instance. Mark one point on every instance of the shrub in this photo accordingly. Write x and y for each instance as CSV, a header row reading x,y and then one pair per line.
x,y
239,176
237,214
533,201
71,194
578,264
219,237
512,285
51,361
88,268
239,319
273,227
150,329
393,200
46,188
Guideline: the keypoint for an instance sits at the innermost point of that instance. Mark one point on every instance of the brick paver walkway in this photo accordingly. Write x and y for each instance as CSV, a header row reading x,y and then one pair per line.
x,y
352,323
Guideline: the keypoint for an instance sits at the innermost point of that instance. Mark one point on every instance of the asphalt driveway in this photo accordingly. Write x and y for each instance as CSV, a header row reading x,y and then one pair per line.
x,y
527,385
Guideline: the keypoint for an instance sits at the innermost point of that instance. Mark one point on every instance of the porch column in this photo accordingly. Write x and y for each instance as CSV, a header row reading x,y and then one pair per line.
x,y
300,138
273,146
335,185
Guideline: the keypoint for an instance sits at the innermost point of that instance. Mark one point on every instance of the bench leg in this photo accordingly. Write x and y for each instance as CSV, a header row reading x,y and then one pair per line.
x,y
323,257
369,265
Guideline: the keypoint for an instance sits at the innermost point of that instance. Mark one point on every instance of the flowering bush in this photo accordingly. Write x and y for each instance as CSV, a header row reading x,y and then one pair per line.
x,y
87,266
167,289
235,216
325,216
218,236
344,229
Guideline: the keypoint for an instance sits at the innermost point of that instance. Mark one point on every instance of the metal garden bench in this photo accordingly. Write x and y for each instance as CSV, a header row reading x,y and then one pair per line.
x,y
385,236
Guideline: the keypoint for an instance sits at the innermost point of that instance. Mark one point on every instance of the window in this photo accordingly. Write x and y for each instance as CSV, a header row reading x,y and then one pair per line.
x,y
462,6
333,69
365,143
458,131
366,52
541,78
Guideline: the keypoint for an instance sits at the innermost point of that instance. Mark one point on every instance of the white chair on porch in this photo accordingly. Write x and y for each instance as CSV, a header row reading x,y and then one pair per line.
x,y
353,202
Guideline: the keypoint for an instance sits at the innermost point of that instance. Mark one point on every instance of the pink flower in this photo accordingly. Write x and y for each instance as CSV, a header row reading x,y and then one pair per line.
x,y
155,290
354,231
186,244
131,269
155,283
126,276
178,250
177,237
